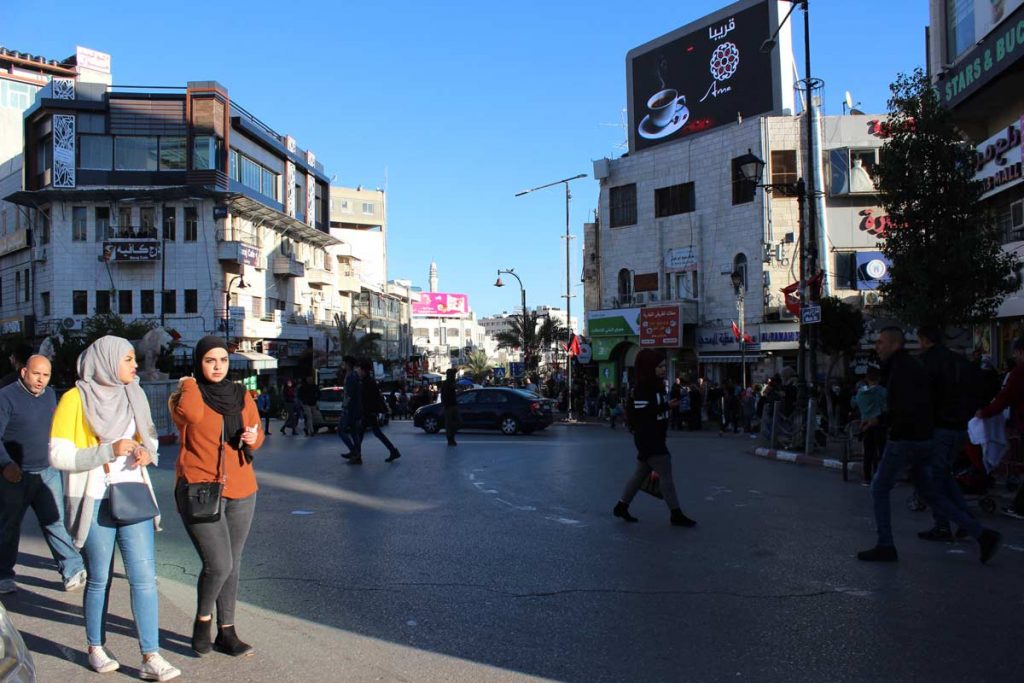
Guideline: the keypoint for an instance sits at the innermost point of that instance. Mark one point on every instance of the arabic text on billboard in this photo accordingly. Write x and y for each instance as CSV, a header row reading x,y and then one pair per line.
x,y
441,304
659,326
702,80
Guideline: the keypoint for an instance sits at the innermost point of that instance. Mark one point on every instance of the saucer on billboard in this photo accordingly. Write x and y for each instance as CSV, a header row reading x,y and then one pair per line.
x,y
648,130
876,269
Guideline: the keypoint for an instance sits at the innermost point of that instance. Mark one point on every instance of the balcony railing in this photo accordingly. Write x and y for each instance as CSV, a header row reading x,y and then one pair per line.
x,y
131,232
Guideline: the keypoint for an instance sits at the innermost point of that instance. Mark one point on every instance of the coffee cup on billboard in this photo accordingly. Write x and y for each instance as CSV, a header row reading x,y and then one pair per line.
x,y
663,105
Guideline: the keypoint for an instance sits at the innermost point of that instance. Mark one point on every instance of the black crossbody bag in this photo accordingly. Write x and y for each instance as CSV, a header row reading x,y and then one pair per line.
x,y
204,500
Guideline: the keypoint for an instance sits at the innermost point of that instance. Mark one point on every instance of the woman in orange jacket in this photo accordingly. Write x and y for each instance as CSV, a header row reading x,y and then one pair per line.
x,y
214,414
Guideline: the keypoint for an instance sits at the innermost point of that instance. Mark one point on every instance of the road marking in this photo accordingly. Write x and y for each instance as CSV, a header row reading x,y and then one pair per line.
x,y
302,512
524,508
564,520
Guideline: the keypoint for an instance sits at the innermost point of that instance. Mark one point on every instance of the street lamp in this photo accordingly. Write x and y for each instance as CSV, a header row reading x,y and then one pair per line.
x,y
227,305
522,292
568,290
737,285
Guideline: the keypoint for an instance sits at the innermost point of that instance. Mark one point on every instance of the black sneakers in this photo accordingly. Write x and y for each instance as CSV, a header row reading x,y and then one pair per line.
x,y
989,543
880,553
393,457
679,519
622,510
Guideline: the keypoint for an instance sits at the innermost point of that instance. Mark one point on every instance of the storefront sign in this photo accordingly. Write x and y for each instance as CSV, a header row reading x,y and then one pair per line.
x,y
1001,48
680,260
586,354
660,327
719,339
617,322
131,251
872,269
779,336
874,225
248,255
998,160
645,282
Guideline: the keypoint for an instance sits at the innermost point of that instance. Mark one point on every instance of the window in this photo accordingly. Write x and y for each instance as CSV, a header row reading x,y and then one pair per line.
x,y
44,154
739,265
96,152
102,222
784,167
852,171
44,228
846,270
169,301
625,280
346,206
743,189
172,154
80,302
206,152
494,397
300,203
368,208
191,224
170,227
124,301
135,153
124,220
674,199
191,300
959,27
256,306
622,202
17,286
147,220
468,398
78,224
682,285
147,302
270,184
91,123
102,301
45,297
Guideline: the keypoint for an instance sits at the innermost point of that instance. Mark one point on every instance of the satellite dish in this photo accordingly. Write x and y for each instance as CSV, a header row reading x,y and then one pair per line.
x,y
849,100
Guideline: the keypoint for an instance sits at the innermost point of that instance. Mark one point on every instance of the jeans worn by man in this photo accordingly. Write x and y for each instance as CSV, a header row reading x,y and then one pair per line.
x,y
946,445
26,478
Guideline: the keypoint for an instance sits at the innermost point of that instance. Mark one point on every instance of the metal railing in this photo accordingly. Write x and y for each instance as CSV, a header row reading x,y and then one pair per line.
x,y
244,236
131,232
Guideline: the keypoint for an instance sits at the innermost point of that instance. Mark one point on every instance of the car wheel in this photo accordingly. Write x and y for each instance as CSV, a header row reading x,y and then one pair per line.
x,y
431,425
508,425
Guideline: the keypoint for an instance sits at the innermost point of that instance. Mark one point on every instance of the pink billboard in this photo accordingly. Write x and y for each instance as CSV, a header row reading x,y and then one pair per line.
x,y
441,304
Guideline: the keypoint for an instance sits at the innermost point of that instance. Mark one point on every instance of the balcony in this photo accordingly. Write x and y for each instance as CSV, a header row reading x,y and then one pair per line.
x,y
285,266
243,236
14,241
318,277
131,232
239,252
347,282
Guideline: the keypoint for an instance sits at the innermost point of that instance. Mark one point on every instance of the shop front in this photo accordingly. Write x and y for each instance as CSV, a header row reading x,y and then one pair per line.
x,y
770,347
617,335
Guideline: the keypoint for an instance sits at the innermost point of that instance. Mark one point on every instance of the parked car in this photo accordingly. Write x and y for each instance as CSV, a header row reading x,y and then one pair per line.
x,y
508,410
330,406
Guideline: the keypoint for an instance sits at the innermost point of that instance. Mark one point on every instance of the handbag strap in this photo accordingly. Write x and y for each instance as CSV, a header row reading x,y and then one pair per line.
x,y
220,454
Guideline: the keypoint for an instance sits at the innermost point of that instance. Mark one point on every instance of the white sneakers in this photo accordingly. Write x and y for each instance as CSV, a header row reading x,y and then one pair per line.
x,y
101,662
8,586
156,668
76,582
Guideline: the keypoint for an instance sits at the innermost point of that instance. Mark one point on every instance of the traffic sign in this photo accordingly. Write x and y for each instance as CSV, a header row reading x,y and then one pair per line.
x,y
498,372
810,314
517,369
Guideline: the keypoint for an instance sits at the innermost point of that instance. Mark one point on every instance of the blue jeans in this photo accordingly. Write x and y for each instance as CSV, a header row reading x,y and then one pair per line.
x,y
136,544
946,445
351,434
43,491
917,455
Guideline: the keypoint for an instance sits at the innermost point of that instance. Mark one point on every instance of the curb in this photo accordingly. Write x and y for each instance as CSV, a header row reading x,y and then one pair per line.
x,y
801,459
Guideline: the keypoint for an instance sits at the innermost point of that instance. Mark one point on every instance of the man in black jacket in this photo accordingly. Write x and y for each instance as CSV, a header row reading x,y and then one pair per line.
x,y
911,427
955,393
309,394
374,406
451,406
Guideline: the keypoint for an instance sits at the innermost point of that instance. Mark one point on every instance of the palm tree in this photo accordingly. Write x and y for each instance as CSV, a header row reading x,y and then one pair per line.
x,y
353,340
478,365
513,338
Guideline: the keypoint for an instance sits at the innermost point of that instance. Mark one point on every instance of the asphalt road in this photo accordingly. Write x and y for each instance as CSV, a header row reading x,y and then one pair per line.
x,y
499,560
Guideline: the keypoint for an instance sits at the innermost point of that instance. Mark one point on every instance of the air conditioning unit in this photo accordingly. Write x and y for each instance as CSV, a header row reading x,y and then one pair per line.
x,y
39,254
870,298
640,297
68,323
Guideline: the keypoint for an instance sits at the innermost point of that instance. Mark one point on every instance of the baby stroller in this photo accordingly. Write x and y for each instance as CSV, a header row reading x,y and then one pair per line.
x,y
970,475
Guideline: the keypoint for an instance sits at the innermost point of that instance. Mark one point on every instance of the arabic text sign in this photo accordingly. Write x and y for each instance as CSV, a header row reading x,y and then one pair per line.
x,y
618,322
131,251
248,255
680,260
441,304
660,326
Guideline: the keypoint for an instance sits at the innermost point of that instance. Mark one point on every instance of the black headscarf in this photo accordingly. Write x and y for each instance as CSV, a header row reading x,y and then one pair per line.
x,y
224,397
646,364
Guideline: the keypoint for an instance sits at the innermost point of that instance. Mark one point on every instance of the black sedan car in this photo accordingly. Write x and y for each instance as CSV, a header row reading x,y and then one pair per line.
x,y
510,410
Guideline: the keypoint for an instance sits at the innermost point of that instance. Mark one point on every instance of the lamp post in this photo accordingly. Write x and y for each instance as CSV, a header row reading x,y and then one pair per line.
x,y
227,305
568,290
522,292
737,285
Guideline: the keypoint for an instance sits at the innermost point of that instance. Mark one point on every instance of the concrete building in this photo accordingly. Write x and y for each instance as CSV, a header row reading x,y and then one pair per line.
x,y
676,219
502,322
976,61
181,207
444,328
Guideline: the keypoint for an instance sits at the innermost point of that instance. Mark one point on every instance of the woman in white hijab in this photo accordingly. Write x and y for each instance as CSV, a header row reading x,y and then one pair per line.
x,y
102,434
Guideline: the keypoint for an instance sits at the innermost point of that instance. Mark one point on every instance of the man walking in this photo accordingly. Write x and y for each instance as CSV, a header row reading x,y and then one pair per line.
x,y
309,394
955,397
26,411
911,427
350,427
451,406
373,406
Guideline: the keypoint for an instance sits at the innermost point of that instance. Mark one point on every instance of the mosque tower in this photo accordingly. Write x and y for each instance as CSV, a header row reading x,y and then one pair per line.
x,y
433,277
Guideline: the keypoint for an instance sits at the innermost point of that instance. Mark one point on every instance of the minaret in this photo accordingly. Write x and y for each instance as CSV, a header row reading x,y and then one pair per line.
x,y
433,277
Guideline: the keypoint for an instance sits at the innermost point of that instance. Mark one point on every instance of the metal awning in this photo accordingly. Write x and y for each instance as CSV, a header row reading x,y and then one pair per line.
x,y
250,360
750,357
255,211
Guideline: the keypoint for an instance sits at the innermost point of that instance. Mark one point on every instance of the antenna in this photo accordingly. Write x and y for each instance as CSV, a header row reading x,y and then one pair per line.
x,y
621,124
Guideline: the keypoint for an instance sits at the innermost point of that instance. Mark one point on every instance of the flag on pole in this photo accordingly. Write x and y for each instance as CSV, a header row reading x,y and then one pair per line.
x,y
735,330
574,345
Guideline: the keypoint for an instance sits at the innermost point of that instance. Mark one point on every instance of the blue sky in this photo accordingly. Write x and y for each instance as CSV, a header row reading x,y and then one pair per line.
x,y
455,106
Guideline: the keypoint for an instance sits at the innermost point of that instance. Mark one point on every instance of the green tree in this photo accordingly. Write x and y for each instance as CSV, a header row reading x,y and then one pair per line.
x,y
948,267
353,340
552,333
102,324
478,365
513,338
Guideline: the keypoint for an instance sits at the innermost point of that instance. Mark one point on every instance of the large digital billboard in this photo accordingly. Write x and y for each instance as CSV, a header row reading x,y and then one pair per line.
x,y
706,74
441,304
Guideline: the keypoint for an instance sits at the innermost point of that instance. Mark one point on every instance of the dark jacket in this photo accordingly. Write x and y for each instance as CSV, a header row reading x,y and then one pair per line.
x,y
353,398
309,394
954,383
648,412
373,401
910,416
448,393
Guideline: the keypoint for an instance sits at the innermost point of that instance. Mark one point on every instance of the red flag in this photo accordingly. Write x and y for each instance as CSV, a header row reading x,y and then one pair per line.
x,y
574,346
748,339
735,330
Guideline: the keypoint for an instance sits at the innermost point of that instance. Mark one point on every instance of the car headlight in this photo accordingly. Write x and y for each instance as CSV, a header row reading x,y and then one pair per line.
x,y
16,665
